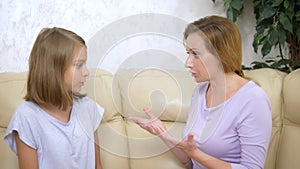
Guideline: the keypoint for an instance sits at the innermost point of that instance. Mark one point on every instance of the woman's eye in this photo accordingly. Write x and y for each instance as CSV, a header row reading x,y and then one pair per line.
x,y
195,54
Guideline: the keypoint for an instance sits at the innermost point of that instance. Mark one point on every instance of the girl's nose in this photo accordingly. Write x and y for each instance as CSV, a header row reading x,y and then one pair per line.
x,y
86,71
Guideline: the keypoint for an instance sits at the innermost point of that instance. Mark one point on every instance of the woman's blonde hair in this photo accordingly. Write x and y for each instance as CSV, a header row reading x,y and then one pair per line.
x,y
50,56
222,38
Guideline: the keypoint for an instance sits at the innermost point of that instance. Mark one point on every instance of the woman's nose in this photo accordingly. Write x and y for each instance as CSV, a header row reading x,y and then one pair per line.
x,y
188,62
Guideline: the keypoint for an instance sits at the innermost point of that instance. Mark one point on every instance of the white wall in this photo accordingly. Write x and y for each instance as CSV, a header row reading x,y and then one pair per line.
x,y
119,33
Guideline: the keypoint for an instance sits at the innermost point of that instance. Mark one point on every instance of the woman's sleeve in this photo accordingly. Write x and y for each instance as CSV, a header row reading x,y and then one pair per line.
x,y
254,129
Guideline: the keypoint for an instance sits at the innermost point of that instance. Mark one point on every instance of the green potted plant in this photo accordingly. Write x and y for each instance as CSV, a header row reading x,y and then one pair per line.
x,y
277,26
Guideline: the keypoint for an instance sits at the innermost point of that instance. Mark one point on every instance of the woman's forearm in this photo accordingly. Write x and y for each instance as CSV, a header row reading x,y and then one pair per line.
x,y
208,161
171,143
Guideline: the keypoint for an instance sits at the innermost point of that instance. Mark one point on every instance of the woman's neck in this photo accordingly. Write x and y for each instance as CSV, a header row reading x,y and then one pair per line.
x,y
222,88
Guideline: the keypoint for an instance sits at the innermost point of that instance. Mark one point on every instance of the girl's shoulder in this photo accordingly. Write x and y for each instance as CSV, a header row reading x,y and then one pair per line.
x,y
85,102
89,105
27,108
89,113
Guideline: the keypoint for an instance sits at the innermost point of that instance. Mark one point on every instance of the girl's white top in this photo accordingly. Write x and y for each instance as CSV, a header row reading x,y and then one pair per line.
x,y
58,145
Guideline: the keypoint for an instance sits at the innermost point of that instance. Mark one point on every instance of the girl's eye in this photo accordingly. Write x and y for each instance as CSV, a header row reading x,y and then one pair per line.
x,y
79,65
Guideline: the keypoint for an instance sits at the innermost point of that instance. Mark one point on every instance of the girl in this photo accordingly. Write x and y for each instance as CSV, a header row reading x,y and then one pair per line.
x,y
56,126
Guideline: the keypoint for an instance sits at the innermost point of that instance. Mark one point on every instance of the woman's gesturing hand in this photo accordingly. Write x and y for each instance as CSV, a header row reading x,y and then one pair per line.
x,y
181,148
152,124
188,146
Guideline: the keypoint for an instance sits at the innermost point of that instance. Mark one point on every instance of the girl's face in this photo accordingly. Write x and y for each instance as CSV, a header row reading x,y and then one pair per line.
x,y
201,62
76,73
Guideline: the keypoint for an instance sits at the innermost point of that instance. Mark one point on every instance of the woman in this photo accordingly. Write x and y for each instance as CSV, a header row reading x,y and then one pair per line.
x,y
56,126
229,123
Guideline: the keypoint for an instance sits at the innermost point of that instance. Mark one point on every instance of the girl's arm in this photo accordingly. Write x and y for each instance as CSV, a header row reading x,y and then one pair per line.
x,y
97,152
27,156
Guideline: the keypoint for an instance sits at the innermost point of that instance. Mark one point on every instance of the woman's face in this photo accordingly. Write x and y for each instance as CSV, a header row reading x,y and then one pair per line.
x,y
76,73
200,61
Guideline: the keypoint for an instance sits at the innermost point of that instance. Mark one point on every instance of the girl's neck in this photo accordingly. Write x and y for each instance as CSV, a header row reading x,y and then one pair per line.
x,y
58,113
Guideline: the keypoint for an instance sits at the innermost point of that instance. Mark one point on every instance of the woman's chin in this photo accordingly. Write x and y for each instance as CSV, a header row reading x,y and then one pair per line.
x,y
198,80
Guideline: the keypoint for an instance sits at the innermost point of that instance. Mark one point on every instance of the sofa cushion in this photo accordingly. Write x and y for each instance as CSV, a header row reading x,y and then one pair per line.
x,y
101,87
113,143
291,96
12,89
167,93
148,151
289,148
271,81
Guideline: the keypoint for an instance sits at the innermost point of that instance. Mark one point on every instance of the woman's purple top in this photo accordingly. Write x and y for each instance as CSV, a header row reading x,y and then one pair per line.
x,y
237,131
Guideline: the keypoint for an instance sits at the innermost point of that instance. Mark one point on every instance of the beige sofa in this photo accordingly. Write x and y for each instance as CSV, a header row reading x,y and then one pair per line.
x,y
125,146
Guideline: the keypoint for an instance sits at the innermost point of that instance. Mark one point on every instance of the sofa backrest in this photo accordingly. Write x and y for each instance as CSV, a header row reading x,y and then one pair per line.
x,y
271,81
289,146
12,90
102,87
167,93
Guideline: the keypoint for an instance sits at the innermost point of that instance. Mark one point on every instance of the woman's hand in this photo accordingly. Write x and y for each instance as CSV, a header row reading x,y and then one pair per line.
x,y
188,146
152,124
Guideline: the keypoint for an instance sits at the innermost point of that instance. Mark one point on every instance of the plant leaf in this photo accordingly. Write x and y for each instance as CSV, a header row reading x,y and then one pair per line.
x,y
246,67
282,35
286,4
232,14
276,3
297,15
273,36
258,65
280,64
255,45
270,61
285,22
298,32
290,11
227,1
266,49
237,4
264,24
267,12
